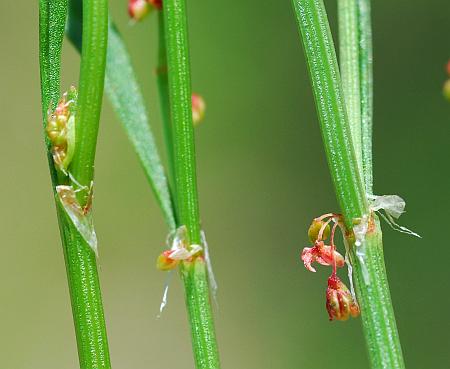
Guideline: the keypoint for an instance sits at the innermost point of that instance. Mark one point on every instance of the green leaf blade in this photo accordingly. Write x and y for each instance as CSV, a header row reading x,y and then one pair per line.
x,y
123,91
126,98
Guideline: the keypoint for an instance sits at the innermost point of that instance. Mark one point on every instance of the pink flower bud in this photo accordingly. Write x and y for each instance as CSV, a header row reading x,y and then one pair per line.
x,y
198,109
138,9
323,254
340,302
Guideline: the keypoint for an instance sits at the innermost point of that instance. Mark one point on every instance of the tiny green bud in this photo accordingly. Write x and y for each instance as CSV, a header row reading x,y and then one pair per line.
x,y
314,230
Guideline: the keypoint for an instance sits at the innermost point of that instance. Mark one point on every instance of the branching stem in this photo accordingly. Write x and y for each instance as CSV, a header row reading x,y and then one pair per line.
x,y
80,260
367,259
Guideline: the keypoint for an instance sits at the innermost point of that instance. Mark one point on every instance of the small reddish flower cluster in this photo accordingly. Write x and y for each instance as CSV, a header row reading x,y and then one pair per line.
x,y
340,302
138,9
446,88
180,250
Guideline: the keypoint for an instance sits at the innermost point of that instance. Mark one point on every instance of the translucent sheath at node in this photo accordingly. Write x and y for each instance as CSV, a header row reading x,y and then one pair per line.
x,y
393,207
81,217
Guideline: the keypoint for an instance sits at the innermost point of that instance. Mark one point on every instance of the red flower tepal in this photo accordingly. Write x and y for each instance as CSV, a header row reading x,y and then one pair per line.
x,y
323,254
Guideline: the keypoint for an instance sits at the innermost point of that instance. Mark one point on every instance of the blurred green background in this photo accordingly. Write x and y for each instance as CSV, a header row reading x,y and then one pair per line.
x,y
262,178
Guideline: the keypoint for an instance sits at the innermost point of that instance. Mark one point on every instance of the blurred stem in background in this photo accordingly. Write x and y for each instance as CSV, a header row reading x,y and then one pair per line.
x,y
346,131
80,259
179,134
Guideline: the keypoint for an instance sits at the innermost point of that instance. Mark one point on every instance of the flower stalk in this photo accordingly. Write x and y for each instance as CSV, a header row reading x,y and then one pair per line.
x,y
351,186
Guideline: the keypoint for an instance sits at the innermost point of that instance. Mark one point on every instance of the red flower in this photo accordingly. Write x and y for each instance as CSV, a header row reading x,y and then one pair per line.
x,y
340,302
323,254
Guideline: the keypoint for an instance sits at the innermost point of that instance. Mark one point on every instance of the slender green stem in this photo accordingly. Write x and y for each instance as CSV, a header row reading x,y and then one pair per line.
x,y
181,115
194,273
80,260
321,58
85,295
377,313
204,343
355,35
163,89
349,68
92,77
367,259
366,92
52,21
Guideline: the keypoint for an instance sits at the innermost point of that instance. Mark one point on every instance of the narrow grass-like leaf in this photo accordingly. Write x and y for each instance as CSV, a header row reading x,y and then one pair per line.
x,y
126,98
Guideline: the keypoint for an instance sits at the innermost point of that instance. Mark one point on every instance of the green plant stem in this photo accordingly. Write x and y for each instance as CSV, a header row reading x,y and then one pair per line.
x,y
92,77
367,259
80,260
163,89
366,92
204,343
181,116
377,313
52,20
336,134
85,295
349,68
193,273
